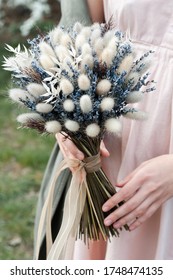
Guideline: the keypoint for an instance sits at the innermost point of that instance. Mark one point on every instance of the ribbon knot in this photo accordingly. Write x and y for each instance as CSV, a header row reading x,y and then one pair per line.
x,y
90,164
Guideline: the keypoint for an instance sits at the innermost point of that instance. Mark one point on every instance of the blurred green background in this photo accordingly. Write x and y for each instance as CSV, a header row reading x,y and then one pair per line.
x,y
23,153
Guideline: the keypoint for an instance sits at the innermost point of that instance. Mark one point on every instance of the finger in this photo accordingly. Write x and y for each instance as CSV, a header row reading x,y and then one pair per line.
x,y
130,176
137,216
61,136
125,213
104,152
138,206
148,213
68,148
126,179
123,194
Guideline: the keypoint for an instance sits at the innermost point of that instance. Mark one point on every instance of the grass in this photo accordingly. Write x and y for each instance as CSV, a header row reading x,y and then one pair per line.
x,y
23,157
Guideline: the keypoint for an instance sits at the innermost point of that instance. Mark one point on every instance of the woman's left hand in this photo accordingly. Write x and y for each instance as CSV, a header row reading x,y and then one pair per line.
x,y
144,191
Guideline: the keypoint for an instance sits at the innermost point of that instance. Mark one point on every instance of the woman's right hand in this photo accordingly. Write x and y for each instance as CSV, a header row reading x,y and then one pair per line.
x,y
69,150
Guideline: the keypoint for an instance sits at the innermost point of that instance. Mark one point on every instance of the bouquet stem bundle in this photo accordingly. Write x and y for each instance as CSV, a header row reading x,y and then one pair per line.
x,y
99,191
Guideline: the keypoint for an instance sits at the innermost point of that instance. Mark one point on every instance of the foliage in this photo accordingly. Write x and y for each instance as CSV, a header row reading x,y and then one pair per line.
x,y
28,13
23,159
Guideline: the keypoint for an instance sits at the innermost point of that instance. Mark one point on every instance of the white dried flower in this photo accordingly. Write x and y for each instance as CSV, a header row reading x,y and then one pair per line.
x,y
83,82
72,125
136,115
103,87
134,76
107,104
147,64
95,25
24,118
96,34
85,103
86,49
68,105
46,62
134,96
65,40
87,60
93,130
66,86
67,60
44,108
55,36
108,36
46,49
126,64
98,46
113,125
112,44
61,52
35,89
16,94
80,40
107,56
65,65
53,127
77,27
86,31
21,60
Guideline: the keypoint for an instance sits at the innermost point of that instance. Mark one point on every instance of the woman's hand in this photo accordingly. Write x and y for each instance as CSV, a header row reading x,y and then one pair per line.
x,y
69,150
144,191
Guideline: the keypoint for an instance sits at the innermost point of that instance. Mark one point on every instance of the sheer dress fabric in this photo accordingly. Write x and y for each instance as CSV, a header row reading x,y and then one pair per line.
x,y
150,26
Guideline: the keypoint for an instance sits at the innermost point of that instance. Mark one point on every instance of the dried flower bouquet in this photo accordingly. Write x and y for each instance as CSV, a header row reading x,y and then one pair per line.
x,y
79,82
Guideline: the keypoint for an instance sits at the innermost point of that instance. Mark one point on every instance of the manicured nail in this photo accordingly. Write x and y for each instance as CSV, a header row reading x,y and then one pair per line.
x,y
132,227
107,222
116,225
105,208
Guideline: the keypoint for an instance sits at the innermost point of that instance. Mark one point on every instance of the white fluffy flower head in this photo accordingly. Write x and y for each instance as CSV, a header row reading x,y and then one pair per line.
x,y
103,87
53,127
66,86
113,125
85,103
72,125
83,82
93,130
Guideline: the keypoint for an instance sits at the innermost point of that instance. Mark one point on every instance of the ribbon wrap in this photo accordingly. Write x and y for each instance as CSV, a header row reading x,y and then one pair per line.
x,y
63,246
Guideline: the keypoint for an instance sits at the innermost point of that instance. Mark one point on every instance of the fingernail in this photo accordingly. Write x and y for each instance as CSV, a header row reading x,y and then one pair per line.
x,y
117,225
131,227
105,208
107,222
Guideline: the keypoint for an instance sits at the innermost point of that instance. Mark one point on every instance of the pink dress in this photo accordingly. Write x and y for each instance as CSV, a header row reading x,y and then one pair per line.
x,y
150,25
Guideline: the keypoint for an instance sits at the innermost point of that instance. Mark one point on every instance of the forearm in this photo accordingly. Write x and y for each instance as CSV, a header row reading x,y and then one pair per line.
x,y
96,10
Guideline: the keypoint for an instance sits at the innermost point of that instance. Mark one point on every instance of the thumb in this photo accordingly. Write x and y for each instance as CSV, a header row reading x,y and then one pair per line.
x,y
104,152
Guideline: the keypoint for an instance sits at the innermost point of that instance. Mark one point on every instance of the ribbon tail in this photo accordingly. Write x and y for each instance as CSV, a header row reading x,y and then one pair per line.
x,y
46,214
69,248
74,204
